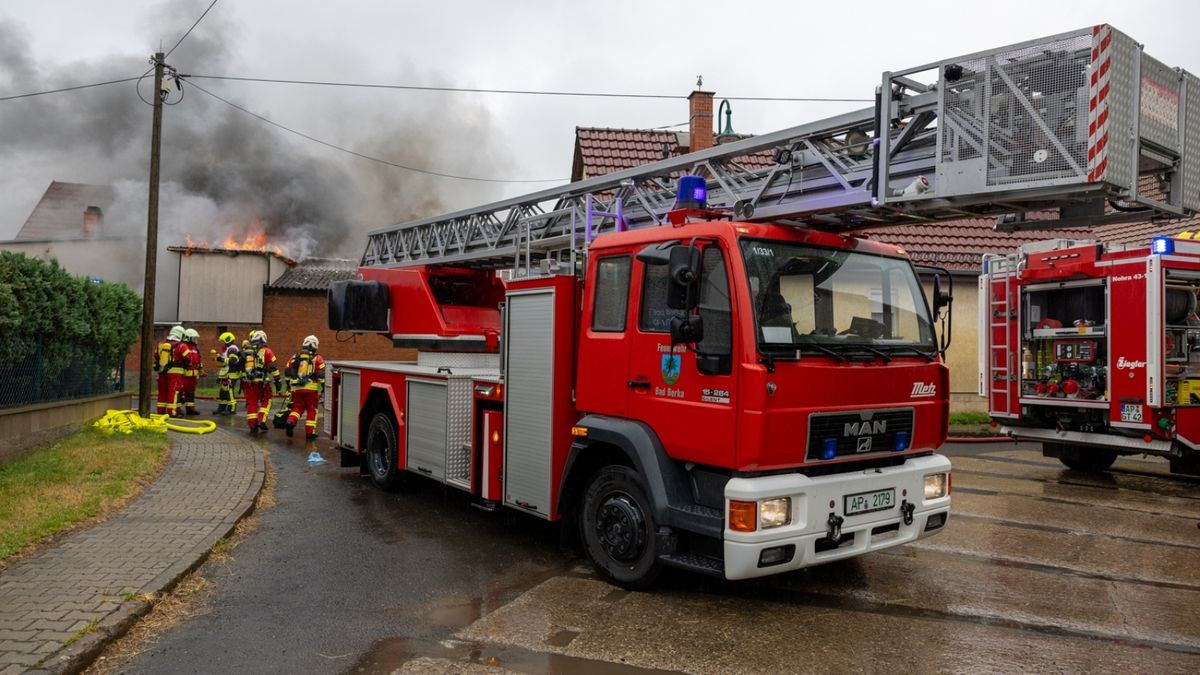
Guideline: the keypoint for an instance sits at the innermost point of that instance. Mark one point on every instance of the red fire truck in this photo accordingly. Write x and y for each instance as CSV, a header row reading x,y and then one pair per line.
x,y
692,361
1095,350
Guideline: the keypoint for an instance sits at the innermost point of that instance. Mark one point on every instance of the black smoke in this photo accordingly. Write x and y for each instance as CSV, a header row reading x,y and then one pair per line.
x,y
223,170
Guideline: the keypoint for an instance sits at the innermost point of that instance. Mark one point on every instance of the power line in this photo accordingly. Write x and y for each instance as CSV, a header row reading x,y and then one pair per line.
x,y
189,31
523,92
75,88
368,157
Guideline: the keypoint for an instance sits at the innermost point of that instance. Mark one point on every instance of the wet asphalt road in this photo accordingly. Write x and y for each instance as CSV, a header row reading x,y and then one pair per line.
x,y
1040,569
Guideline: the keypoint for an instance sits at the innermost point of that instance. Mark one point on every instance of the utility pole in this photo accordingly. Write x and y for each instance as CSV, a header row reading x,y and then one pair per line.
x,y
148,346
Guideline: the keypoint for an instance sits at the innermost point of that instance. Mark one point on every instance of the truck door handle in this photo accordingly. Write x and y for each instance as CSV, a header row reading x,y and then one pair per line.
x,y
638,384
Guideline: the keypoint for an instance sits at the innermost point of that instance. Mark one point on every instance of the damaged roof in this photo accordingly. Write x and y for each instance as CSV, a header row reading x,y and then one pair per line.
x,y
315,274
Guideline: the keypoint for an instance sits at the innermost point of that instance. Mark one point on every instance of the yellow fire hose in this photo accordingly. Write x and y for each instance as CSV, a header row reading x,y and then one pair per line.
x,y
125,421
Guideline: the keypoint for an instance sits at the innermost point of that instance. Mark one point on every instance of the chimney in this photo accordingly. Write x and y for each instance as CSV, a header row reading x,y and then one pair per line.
x,y
93,218
700,118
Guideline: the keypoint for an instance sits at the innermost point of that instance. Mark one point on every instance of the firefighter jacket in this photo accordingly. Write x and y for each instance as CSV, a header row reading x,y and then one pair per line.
x,y
181,358
306,370
195,363
231,363
260,363
164,355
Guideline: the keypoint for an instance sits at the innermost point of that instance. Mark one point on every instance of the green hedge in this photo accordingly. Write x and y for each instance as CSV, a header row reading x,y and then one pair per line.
x,y
59,324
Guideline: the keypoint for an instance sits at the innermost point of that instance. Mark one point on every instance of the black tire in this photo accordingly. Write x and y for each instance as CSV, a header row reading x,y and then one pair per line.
x,y
1091,460
382,452
616,524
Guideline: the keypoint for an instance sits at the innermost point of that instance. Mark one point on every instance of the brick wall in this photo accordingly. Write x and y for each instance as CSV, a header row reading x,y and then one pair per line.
x,y
289,316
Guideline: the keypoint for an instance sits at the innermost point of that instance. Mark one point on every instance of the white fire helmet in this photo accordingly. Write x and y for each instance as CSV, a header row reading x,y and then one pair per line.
x,y
259,337
176,333
311,341
191,335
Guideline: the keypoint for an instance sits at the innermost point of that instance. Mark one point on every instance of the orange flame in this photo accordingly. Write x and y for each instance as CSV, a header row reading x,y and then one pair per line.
x,y
254,240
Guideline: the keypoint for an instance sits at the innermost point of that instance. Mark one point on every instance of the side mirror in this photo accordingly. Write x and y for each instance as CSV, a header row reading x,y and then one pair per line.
x,y
684,270
941,298
687,329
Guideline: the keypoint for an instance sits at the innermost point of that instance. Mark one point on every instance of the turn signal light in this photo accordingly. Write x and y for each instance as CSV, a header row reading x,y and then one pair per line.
x,y
743,516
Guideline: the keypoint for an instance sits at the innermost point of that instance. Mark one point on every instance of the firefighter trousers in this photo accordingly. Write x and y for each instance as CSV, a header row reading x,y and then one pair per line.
x,y
187,397
225,395
305,401
164,405
258,402
174,404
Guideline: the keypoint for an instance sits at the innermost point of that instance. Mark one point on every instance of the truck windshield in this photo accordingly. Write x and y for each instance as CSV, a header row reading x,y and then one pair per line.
x,y
834,302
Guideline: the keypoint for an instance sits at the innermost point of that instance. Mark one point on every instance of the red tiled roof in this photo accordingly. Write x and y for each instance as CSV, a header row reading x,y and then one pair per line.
x,y
601,151
961,244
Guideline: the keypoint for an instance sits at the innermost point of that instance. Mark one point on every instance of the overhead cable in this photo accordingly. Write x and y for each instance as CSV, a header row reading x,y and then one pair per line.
x,y
189,31
523,92
369,157
75,88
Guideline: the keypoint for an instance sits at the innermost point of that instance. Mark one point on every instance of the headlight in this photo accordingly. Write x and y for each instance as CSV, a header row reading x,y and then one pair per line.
x,y
775,512
936,485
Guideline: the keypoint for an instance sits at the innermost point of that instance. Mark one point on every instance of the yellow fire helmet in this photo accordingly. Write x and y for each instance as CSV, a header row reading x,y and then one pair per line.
x,y
226,338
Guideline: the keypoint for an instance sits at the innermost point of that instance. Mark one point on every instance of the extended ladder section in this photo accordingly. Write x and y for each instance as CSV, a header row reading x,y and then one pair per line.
x,y
1083,125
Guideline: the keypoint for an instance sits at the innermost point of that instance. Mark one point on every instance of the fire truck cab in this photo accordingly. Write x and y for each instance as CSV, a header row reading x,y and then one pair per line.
x,y
735,398
1094,350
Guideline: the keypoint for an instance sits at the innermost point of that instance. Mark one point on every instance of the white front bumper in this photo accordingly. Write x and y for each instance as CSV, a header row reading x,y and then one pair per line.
x,y
811,498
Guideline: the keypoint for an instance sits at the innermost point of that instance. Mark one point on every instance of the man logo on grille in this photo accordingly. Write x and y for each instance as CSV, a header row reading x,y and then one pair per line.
x,y
864,444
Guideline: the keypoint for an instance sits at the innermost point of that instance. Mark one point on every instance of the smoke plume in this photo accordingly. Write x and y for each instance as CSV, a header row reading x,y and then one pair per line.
x,y
225,173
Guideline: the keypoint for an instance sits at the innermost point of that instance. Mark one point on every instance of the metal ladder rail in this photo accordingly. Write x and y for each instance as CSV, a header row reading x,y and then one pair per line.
x,y
1000,312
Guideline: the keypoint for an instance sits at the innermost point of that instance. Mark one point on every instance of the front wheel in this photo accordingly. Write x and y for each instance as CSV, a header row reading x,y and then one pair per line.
x,y
382,451
616,522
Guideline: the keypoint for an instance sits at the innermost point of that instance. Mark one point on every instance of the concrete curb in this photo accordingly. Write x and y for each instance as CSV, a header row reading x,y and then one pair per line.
x,y
77,657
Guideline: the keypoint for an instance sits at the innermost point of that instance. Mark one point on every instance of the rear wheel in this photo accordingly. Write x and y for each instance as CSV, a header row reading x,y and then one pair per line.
x,y
616,522
382,451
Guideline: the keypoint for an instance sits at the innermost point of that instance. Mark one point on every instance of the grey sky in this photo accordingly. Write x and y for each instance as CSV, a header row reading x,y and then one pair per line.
x,y
742,49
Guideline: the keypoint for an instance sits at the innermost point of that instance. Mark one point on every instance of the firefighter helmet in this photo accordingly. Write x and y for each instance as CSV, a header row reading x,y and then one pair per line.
x,y
258,337
226,338
191,335
311,341
176,333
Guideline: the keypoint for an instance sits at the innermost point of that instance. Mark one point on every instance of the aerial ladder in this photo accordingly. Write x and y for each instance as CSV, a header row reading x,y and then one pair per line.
x,y
1082,127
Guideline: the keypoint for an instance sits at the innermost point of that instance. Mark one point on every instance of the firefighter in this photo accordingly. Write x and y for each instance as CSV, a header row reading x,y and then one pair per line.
x,y
230,374
191,373
165,404
260,364
181,363
306,378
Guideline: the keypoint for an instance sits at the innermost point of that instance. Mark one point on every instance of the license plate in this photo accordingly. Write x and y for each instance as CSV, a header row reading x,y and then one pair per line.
x,y
866,502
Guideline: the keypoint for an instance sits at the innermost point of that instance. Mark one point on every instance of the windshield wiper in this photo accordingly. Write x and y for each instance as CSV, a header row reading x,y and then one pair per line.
x,y
929,356
824,350
871,350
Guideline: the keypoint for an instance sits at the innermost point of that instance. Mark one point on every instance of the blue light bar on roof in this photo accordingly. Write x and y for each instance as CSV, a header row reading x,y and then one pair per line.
x,y
691,193
1162,246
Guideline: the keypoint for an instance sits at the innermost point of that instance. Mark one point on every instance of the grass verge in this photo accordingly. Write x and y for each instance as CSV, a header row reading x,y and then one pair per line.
x,y
965,418
83,476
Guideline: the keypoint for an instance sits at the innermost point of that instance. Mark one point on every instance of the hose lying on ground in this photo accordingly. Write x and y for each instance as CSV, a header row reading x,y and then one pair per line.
x,y
125,421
